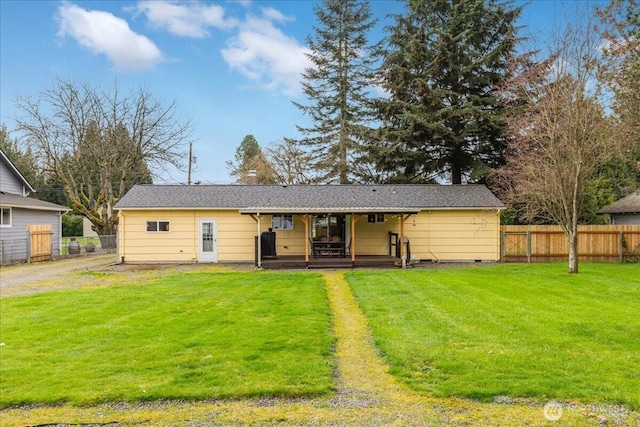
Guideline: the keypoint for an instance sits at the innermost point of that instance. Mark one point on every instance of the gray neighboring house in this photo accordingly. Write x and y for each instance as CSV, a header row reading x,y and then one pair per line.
x,y
625,211
17,212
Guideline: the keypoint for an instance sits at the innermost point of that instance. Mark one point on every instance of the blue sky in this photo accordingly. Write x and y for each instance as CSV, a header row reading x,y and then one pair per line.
x,y
231,66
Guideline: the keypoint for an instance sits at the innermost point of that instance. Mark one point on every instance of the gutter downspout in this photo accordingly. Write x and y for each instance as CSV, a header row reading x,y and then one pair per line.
x,y
121,233
259,241
60,232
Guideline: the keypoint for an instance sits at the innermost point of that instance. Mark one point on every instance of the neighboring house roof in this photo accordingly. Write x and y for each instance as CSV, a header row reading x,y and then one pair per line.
x,y
16,172
310,198
627,205
17,201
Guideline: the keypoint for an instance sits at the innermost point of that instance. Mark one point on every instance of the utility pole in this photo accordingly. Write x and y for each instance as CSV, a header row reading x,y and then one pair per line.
x,y
190,160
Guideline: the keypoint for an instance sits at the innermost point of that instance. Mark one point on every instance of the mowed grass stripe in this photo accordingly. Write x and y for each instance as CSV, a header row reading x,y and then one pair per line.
x,y
190,336
518,330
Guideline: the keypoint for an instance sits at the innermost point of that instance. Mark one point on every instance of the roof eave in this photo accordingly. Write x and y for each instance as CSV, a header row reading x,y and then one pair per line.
x,y
172,208
359,210
324,210
37,208
621,212
315,210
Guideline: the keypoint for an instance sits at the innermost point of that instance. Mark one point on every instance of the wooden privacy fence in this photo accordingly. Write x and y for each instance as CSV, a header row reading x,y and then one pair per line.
x,y
39,243
544,243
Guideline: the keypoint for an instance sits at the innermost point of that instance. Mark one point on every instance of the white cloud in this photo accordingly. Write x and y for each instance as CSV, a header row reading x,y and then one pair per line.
x,y
190,19
104,33
265,55
275,15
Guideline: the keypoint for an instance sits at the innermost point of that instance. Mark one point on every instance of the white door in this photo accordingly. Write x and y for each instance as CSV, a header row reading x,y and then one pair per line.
x,y
208,241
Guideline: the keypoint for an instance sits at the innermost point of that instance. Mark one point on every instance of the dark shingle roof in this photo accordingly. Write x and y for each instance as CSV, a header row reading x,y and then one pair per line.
x,y
309,198
17,201
629,204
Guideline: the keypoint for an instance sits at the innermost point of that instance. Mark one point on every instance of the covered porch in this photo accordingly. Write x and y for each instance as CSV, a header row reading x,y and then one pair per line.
x,y
338,238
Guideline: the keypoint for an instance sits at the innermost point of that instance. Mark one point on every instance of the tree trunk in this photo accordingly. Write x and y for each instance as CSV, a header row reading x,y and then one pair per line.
x,y
572,239
107,235
108,242
342,162
456,172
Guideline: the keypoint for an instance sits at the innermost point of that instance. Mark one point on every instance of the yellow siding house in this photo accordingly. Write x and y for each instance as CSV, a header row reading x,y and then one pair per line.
x,y
255,223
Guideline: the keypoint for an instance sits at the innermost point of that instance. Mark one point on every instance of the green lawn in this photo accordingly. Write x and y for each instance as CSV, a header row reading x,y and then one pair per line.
x,y
518,330
192,336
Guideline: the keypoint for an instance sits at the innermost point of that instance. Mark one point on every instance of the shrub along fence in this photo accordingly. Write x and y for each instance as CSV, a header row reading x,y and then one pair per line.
x,y
545,243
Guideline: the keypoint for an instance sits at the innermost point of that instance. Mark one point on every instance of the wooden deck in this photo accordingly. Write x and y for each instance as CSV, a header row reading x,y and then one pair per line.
x,y
298,262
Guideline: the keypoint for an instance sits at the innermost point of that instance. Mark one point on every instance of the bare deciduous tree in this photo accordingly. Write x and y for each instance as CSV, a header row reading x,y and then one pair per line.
x,y
98,143
560,135
290,163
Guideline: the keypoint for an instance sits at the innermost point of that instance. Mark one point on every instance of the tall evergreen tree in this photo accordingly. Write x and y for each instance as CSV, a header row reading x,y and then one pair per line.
x,y
336,85
247,150
25,161
249,157
442,62
620,69
47,187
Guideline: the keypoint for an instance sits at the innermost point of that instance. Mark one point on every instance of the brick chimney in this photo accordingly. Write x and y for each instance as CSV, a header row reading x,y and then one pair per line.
x,y
252,177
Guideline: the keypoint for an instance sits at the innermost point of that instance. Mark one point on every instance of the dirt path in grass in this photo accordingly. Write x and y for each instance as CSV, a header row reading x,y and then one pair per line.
x,y
367,396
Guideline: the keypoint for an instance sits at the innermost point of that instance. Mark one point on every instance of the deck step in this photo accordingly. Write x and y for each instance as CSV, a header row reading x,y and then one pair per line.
x,y
329,265
299,262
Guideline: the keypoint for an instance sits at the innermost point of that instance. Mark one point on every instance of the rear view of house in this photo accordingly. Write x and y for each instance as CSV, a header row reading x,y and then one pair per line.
x,y
219,223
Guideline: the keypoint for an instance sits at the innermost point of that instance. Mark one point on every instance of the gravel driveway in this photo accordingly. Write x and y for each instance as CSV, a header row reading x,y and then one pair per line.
x,y
28,278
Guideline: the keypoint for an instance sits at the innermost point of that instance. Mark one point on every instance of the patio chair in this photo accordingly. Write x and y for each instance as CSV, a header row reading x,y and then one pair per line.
x,y
313,249
337,246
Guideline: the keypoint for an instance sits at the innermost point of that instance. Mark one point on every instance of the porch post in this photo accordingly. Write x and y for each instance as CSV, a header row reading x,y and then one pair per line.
x,y
259,241
402,254
352,248
305,219
402,240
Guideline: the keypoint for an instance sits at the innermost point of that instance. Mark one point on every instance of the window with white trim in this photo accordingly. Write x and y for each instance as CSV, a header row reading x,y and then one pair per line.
x,y
5,217
282,222
158,226
373,218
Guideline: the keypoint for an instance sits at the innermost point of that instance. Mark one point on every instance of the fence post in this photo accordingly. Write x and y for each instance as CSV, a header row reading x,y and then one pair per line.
x,y
502,238
529,246
621,245
28,247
